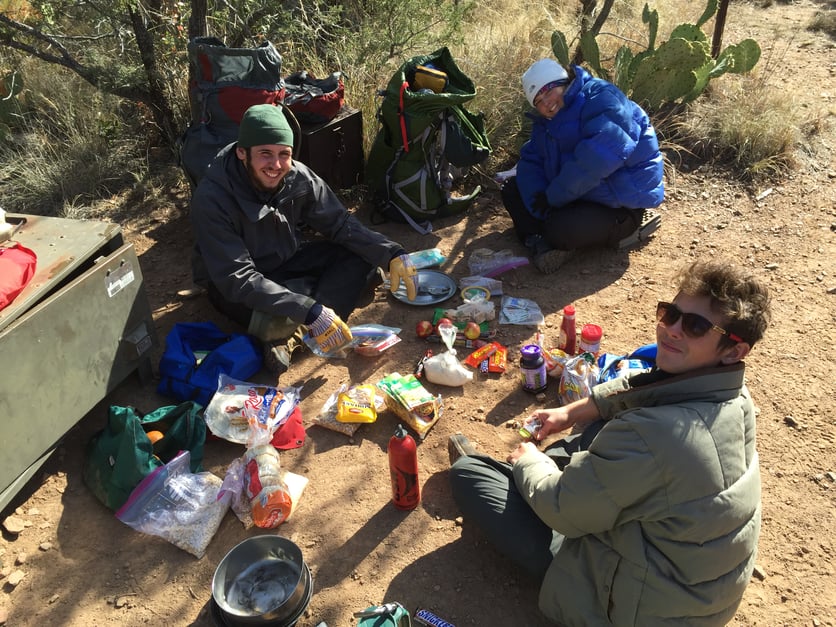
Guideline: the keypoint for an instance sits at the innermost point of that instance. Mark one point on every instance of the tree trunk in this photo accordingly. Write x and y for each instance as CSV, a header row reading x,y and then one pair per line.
x,y
588,9
158,98
197,20
719,27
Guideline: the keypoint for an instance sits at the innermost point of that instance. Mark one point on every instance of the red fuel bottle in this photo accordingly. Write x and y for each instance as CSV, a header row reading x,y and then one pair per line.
x,y
403,468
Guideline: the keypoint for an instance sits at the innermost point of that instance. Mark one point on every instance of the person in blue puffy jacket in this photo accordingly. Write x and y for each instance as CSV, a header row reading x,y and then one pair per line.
x,y
590,172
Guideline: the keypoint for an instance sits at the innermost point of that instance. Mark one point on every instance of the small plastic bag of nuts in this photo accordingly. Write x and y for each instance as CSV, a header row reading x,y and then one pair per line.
x,y
177,505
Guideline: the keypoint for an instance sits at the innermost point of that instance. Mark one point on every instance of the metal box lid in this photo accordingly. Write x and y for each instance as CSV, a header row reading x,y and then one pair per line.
x,y
62,246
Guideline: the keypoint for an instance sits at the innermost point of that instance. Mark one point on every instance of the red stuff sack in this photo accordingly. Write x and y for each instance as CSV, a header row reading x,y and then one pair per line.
x,y
312,100
17,266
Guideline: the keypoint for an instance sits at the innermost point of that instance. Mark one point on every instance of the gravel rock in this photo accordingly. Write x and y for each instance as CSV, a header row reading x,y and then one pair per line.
x,y
14,525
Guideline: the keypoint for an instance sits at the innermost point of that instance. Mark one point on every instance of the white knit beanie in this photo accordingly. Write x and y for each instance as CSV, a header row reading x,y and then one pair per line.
x,y
540,74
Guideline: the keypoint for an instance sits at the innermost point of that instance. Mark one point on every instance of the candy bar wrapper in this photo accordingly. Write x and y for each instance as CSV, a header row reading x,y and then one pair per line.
x,y
498,361
480,354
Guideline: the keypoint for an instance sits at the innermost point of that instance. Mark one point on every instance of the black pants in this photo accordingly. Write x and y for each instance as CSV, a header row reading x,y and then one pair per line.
x,y
487,496
579,224
327,272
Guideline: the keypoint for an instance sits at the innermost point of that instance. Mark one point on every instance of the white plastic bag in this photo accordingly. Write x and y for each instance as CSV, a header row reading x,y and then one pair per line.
x,y
445,368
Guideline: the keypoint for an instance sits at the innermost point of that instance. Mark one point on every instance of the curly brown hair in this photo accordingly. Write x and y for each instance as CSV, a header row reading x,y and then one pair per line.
x,y
736,293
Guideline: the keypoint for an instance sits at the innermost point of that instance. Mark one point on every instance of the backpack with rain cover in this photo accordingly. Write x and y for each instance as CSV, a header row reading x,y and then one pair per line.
x,y
427,139
225,83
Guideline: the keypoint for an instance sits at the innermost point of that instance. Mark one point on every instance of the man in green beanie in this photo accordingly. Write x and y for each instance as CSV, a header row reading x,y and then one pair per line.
x,y
248,213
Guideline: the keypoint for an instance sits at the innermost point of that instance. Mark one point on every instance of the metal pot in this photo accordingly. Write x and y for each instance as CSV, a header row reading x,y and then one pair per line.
x,y
262,581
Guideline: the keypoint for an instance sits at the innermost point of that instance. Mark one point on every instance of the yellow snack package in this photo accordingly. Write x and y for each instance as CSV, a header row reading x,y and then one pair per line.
x,y
357,404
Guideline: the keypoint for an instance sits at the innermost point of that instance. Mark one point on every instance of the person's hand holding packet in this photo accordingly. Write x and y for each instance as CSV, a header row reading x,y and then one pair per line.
x,y
329,331
401,268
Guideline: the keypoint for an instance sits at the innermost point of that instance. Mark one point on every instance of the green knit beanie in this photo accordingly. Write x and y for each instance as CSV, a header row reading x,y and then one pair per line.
x,y
264,124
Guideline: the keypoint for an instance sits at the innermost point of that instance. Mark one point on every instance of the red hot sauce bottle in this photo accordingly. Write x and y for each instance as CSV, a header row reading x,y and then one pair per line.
x,y
568,336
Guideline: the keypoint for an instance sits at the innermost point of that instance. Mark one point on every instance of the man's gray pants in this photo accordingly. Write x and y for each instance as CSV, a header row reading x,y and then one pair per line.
x,y
487,496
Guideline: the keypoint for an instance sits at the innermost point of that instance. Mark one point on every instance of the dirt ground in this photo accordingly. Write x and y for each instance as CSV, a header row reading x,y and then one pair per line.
x,y
81,566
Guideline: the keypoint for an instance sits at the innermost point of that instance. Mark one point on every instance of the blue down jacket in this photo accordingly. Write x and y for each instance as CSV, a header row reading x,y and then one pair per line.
x,y
599,147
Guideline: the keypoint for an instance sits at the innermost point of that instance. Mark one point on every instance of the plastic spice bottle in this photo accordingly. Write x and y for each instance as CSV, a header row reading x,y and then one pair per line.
x,y
567,339
403,469
532,369
591,339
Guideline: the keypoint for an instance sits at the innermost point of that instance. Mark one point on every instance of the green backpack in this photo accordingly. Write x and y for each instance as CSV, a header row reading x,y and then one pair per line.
x,y
426,140
120,456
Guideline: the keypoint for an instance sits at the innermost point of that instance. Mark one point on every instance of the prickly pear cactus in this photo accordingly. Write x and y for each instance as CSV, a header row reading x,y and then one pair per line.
x,y
677,71
560,48
710,10
651,18
669,73
739,58
623,60
589,48
736,59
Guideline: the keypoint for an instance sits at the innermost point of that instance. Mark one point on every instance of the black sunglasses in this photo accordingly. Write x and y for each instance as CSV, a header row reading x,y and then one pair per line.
x,y
694,325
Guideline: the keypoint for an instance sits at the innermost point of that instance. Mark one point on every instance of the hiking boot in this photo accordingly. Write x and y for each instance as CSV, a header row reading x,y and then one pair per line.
x,y
551,260
277,353
545,258
649,221
458,446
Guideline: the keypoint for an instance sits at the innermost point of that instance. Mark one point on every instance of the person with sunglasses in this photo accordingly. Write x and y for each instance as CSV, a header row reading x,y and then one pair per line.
x,y
590,172
651,514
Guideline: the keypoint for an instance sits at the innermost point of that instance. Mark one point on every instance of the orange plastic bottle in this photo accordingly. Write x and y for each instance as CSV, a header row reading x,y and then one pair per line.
x,y
568,336
403,469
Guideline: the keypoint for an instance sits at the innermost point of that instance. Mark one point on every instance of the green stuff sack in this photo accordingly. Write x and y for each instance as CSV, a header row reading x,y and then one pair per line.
x,y
121,455
427,139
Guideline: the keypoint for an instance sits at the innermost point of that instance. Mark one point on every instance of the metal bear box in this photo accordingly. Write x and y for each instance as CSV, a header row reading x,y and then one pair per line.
x,y
334,149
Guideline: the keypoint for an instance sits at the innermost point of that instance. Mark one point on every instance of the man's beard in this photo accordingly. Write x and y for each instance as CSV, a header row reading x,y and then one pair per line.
x,y
258,181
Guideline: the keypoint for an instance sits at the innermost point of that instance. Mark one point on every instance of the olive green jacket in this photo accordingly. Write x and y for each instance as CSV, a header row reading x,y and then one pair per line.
x,y
662,513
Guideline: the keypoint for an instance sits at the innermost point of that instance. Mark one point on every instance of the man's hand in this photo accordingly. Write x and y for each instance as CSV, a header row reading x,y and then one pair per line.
x,y
329,331
561,418
522,449
401,268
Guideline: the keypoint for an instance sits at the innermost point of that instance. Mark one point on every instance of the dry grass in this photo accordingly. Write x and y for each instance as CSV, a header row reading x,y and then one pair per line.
x,y
71,146
824,21
738,123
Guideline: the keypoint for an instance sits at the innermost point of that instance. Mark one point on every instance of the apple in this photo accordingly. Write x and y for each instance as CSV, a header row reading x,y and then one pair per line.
x,y
472,330
424,328
443,321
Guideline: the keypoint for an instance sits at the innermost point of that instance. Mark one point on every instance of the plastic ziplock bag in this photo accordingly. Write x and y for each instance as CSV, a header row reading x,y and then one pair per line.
x,y
364,335
580,374
177,505
236,402
520,311
485,262
427,258
327,416
492,285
